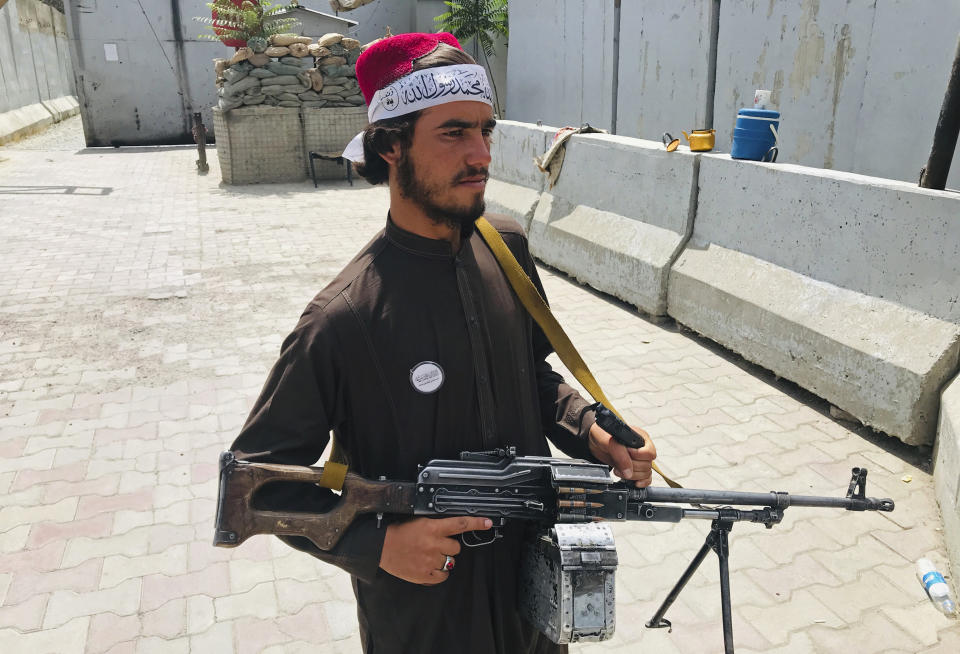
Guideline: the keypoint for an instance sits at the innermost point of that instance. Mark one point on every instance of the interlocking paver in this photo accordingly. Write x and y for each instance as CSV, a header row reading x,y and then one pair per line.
x,y
140,309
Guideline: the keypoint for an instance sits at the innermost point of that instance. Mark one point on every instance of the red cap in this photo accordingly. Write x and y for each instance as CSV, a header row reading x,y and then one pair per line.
x,y
389,59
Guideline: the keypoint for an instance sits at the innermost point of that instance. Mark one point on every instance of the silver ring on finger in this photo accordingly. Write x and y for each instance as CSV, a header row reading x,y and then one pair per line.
x,y
448,563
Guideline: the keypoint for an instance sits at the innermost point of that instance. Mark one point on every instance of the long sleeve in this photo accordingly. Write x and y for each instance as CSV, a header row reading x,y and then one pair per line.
x,y
290,423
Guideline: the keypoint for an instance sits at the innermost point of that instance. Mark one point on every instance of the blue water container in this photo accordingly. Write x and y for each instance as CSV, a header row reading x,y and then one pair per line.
x,y
752,137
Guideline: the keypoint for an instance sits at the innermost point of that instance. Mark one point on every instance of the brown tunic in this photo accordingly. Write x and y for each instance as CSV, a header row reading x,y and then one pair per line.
x,y
404,300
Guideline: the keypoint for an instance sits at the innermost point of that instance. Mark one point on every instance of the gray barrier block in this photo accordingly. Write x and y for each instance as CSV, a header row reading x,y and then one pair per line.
x,y
515,181
946,474
845,284
24,121
618,216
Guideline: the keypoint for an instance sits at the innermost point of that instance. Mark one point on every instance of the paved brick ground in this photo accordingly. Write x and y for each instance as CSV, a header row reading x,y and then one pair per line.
x,y
140,308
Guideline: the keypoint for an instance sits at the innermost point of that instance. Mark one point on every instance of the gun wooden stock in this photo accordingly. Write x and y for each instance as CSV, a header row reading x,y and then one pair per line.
x,y
238,520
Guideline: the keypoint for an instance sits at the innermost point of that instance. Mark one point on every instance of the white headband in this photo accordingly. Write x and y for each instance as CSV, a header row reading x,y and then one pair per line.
x,y
421,89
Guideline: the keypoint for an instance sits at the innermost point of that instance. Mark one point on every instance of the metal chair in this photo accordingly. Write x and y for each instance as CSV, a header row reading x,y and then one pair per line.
x,y
329,156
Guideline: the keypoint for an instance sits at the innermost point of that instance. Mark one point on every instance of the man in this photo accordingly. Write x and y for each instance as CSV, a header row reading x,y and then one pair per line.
x,y
419,349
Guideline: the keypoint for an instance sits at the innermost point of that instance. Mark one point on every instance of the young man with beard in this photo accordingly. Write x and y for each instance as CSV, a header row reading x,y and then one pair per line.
x,y
419,349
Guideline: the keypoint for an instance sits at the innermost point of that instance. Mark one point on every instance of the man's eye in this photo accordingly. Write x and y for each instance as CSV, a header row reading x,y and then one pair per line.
x,y
455,133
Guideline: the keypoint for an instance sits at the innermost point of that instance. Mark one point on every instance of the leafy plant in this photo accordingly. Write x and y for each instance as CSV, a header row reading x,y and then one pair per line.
x,y
480,21
234,22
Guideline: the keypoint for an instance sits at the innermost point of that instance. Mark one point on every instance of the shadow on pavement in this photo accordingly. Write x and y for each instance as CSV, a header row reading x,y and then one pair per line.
x,y
56,190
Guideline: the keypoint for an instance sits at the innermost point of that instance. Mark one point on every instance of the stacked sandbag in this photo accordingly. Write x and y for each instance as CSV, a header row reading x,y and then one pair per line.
x,y
336,57
288,70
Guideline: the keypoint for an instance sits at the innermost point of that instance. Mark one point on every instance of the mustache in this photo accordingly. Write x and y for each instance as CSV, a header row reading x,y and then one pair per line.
x,y
472,172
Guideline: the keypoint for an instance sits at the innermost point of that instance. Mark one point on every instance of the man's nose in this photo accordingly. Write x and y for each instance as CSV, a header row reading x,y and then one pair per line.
x,y
478,153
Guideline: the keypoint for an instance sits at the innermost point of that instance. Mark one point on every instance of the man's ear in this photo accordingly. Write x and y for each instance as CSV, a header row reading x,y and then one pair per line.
x,y
392,155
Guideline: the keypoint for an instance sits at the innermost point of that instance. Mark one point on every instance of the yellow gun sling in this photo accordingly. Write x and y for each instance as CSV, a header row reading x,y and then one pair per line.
x,y
538,309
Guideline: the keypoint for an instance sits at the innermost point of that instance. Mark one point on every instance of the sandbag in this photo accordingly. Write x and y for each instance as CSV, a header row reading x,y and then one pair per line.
x,y
226,104
240,55
219,65
338,71
232,75
309,95
288,39
275,90
332,61
277,51
331,98
284,79
338,50
298,50
287,97
258,44
272,101
262,73
316,79
332,90
350,44
330,39
283,69
238,88
338,81
315,104
254,99
316,50
305,79
353,55
259,60
288,103
299,62
355,100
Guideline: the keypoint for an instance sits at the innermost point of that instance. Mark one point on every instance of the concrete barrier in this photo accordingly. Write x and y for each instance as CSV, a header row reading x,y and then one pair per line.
x,y
848,285
62,108
946,474
24,121
32,118
515,181
618,216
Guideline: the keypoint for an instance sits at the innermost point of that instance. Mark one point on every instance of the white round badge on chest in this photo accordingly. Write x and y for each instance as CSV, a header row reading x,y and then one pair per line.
x,y
426,377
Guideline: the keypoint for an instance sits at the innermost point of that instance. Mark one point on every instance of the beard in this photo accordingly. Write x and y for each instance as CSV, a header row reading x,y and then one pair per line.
x,y
424,193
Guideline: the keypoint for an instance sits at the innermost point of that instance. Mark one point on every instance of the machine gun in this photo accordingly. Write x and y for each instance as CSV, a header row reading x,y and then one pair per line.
x,y
567,570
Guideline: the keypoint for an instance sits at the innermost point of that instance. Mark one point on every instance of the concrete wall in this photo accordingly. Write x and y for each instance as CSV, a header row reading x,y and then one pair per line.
x,y
664,67
561,62
36,80
860,83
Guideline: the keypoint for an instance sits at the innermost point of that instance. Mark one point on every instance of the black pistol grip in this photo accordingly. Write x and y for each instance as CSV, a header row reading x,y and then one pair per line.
x,y
616,427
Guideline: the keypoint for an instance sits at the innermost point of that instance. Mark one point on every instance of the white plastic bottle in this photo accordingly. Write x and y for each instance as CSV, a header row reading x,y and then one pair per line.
x,y
936,587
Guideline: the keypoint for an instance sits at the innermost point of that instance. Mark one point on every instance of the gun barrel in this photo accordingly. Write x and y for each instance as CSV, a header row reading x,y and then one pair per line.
x,y
773,499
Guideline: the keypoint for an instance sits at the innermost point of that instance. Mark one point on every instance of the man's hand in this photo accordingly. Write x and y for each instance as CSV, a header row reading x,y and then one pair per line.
x,y
416,550
628,462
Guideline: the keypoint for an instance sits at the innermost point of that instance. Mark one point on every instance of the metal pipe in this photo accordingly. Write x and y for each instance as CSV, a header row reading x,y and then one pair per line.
x,y
934,175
